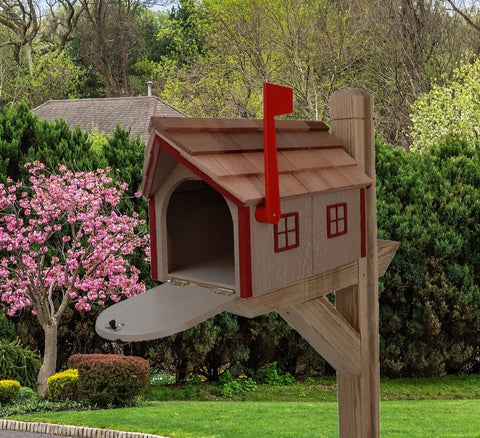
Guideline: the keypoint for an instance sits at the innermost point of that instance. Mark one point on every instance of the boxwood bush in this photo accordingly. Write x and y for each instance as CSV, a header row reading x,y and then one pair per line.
x,y
109,379
63,385
8,390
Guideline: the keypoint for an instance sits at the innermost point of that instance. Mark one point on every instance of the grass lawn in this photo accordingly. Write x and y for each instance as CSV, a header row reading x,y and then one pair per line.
x,y
229,419
444,407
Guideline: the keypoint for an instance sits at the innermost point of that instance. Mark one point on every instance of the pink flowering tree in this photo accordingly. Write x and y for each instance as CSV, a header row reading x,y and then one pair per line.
x,y
62,243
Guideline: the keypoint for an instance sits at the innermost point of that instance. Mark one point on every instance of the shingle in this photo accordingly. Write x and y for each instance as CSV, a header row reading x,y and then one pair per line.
x,y
230,152
107,113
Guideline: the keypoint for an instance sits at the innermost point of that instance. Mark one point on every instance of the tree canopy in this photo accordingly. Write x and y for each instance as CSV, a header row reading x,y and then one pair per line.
x,y
62,242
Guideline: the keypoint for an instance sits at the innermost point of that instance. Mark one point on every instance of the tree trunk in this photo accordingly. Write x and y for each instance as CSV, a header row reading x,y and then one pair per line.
x,y
49,364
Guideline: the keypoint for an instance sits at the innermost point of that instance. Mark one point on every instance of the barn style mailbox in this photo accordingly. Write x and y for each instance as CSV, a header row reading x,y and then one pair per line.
x,y
218,244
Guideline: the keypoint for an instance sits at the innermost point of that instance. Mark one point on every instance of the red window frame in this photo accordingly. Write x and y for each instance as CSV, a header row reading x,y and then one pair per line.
x,y
337,224
286,232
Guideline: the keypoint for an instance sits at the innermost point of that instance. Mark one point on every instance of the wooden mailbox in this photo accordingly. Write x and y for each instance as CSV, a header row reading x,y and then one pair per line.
x,y
204,178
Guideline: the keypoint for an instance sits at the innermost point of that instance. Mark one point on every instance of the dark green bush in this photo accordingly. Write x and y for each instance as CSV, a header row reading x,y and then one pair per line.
x,y
7,328
63,385
18,363
430,294
26,396
109,379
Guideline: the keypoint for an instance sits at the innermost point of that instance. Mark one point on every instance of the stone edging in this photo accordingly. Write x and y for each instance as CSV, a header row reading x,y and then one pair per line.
x,y
70,431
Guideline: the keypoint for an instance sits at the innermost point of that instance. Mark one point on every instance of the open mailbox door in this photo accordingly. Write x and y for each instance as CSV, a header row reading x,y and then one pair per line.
x,y
162,311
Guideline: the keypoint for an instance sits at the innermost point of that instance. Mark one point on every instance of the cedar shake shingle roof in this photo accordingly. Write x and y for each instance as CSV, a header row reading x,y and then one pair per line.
x,y
107,113
230,153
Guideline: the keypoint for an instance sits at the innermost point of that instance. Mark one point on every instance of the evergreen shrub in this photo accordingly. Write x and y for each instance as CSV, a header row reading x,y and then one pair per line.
x,y
18,363
109,379
8,390
63,385
7,328
26,396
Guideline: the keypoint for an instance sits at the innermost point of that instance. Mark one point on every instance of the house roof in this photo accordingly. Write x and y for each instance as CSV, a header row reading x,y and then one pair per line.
x,y
229,153
107,113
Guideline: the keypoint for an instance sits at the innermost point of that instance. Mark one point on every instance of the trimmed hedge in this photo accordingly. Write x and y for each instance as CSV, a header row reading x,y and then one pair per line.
x,y
8,390
63,385
109,379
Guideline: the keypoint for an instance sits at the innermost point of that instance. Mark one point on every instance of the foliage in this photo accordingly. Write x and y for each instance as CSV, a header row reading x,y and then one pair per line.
x,y
25,139
233,387
63,385
184,352
25,396
8,390
159,378
33,403
430,295
18,363
90,257
107,379
449,109
271,375
63,241
7,328
228,348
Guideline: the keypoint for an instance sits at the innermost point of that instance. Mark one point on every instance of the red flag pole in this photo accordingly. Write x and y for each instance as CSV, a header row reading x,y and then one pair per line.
x,y
277,100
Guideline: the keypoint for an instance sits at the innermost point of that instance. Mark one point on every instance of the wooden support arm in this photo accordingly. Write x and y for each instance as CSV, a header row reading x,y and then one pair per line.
x,y
328,332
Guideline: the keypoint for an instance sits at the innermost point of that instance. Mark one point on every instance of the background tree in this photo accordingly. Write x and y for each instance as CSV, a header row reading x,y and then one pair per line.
x,y
453,108
430,295
62,242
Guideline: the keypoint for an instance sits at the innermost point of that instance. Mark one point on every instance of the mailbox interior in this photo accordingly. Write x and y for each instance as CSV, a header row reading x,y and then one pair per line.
x,y
200,234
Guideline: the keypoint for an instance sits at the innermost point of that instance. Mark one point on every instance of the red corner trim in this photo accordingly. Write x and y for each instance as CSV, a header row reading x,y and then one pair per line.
x,y
153,238
363,224
245,252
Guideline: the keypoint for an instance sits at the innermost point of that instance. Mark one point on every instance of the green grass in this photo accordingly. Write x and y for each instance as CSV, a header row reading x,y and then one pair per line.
x,y
324,389
435,408
400,419
446,388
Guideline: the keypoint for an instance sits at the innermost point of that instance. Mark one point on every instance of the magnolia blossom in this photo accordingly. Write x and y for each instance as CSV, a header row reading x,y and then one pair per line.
x,y
62,240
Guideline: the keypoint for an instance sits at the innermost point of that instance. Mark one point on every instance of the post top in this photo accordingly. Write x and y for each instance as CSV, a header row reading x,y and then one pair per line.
x,y
351,103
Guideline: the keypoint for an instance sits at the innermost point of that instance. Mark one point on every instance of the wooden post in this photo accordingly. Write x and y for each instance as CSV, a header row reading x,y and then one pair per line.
x,y
358,396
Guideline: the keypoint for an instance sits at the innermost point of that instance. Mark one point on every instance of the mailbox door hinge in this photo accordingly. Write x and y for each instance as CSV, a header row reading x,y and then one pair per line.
x,y
224,291
179,282
218,290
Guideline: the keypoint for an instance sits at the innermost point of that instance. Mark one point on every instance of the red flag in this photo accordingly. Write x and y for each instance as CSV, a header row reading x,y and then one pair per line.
x,y
277,100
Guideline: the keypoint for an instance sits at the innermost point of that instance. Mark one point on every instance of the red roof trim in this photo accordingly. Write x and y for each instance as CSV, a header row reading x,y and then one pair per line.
x,y
152,166
161,144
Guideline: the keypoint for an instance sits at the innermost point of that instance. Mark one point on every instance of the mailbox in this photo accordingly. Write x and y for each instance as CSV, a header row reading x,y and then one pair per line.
x,y
205,177
237,227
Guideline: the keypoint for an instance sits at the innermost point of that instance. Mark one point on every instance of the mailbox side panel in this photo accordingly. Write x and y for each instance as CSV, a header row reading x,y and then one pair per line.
x,y
337,229
282,255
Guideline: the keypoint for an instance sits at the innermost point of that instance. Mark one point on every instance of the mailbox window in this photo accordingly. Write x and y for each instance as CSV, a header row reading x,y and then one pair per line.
x,y
337,220
286,233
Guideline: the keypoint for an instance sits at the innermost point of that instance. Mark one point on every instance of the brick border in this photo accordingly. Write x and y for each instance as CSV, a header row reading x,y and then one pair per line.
x,y
70,431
